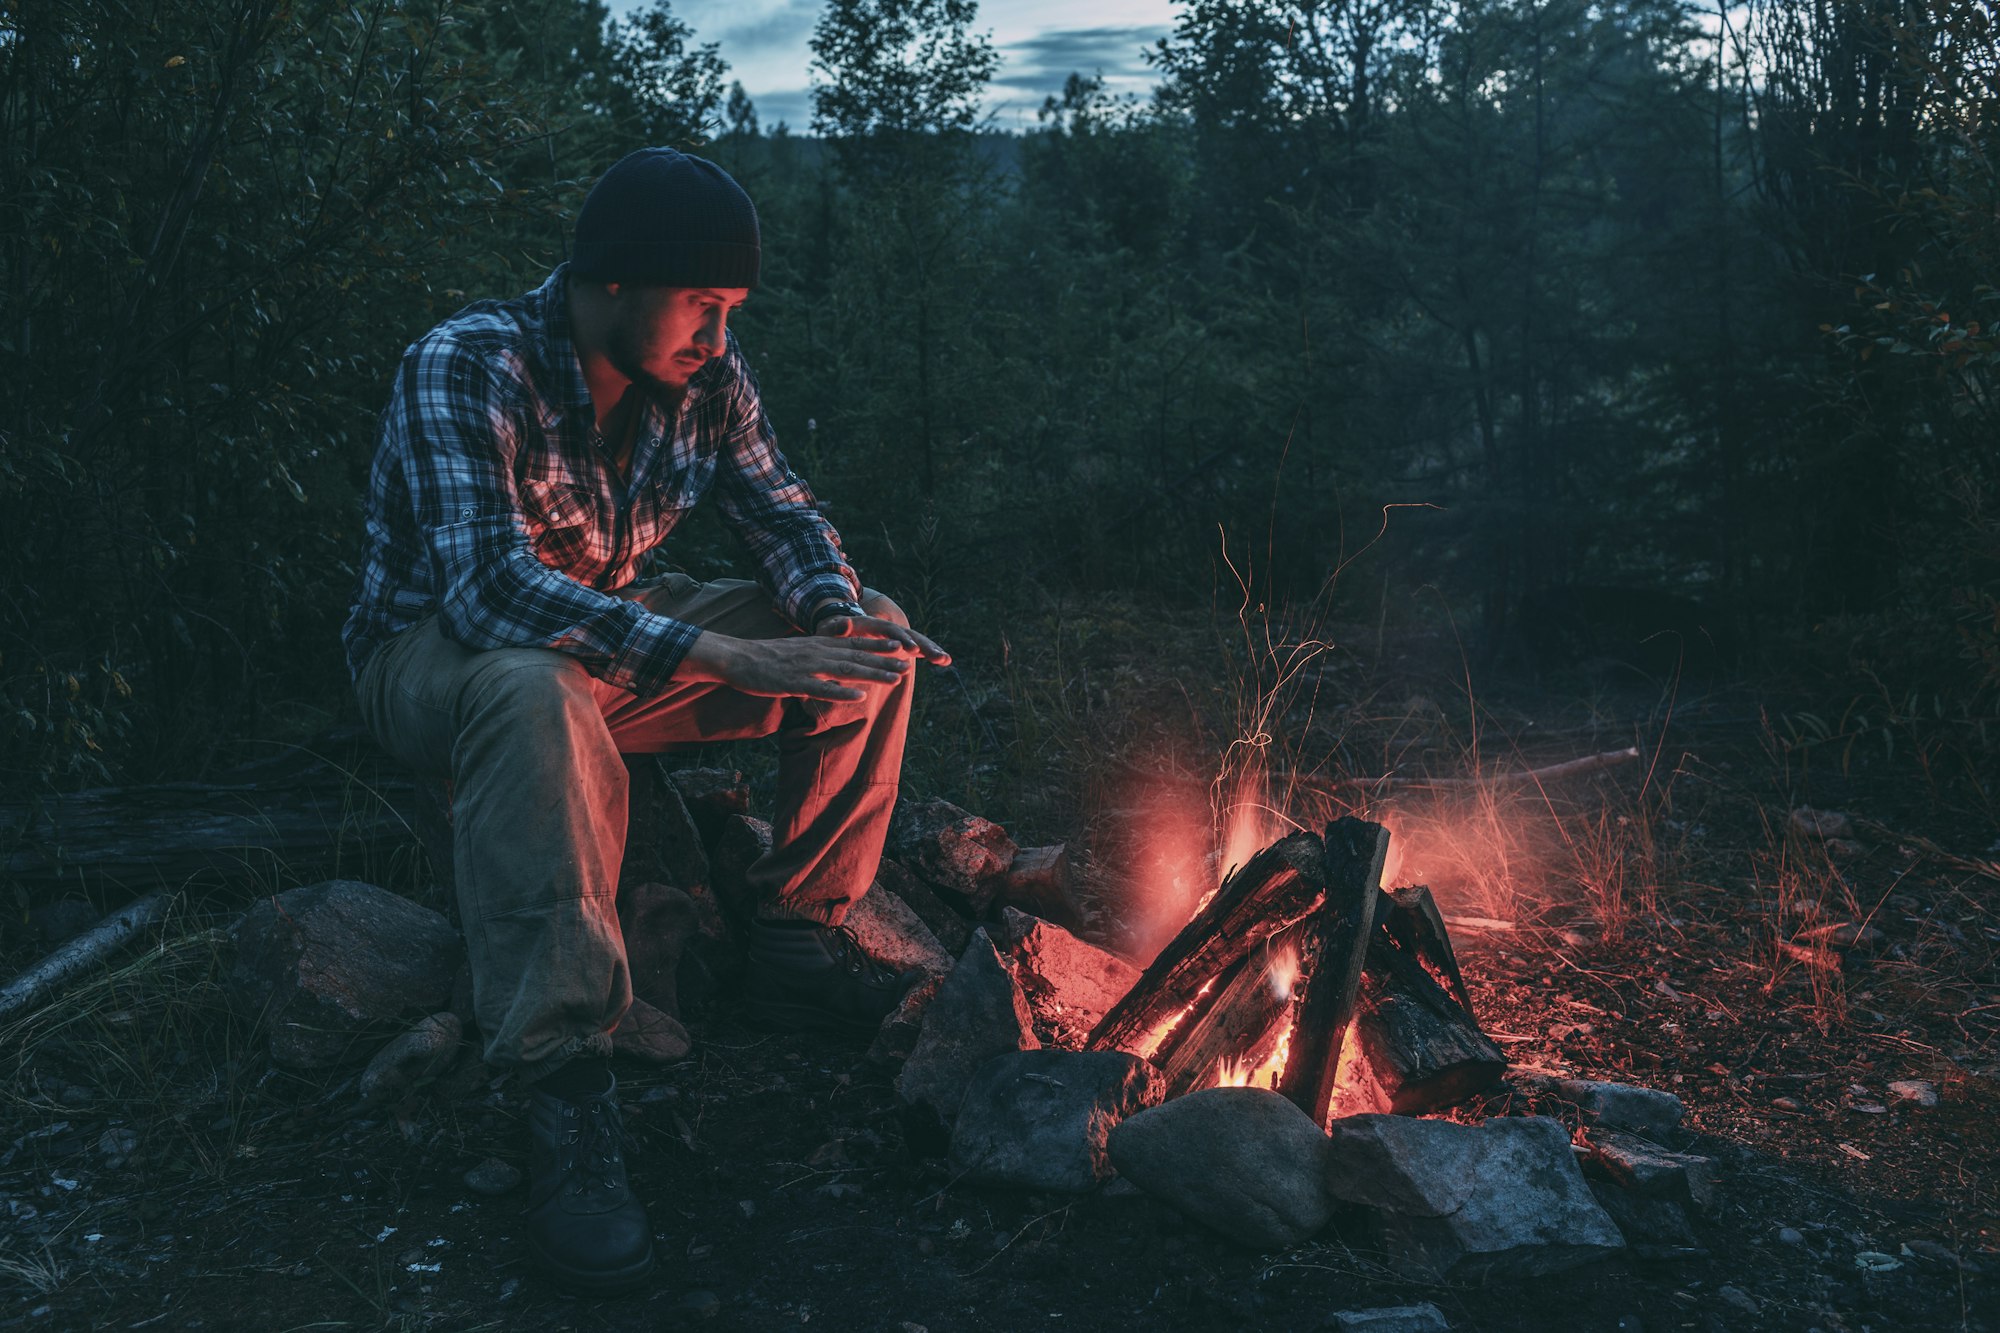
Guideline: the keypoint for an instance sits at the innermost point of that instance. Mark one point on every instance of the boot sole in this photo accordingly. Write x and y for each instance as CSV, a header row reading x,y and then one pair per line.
x,y
615,1282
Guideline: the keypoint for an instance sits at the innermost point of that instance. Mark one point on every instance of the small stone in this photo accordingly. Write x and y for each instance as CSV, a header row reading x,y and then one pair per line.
x,y
1648,1169
1738,1298
897,1037
747,1207
1791,1236
1919,1092
1844,849
412,1060
1424,1318
656,921
891,932
699,1305
1644,1221
510,1288
1459,1201
1943,1256
1822,824
959,853
1787,1104
647,1034
1244,1161
1622,1105
1842,935
118,1142
1038,881
1039,1120
1070,983
493,1178
979,1013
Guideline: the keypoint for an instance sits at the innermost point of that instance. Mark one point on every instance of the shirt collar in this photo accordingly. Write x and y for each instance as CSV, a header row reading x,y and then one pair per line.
x,y
572,392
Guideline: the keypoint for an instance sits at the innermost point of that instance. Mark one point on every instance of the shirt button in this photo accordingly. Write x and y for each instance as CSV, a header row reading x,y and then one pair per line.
x,y
465,511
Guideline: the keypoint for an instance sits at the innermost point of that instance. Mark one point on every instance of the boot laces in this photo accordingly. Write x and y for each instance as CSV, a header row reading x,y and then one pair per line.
x,y
598,1163
847,947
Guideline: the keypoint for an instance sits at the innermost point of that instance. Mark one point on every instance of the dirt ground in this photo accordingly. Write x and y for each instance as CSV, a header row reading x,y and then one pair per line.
x,y
157,1172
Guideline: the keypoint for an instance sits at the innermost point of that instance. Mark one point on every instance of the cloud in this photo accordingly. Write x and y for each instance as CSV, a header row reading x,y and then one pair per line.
x,y
1040,64
784,28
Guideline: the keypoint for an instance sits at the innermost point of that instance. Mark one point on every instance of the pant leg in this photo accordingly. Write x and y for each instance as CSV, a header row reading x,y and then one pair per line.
x,y
538,830
839,761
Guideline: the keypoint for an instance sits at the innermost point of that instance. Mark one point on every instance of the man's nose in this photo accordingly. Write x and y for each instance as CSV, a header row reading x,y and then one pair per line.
x,y
709,337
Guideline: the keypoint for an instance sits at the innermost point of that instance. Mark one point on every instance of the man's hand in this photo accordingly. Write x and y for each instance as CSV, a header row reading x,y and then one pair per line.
x,y
858,628
814,666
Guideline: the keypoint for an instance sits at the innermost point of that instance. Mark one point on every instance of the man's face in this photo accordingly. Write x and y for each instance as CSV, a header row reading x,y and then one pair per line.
x,y
663,335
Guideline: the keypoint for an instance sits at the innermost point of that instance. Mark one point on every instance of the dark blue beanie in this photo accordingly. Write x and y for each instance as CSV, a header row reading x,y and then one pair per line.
x,y
661,216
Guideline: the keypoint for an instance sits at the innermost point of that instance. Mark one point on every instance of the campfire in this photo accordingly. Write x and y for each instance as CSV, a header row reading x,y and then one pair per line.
x,y
1302,974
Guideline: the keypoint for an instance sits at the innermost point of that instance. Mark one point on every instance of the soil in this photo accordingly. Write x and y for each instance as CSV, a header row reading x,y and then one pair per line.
x,y
778,1176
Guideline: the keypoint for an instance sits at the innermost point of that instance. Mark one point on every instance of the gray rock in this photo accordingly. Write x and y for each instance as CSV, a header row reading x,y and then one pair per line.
x,y
1424,1318
118,1143
662,842
1738,1298
1791,1236
897,1036
1615,1105
1644,1221
712,795
1039,1120
657,921
1244,1161
323,965
1810,823
646,1033
890,932
1916,1091
957,852
1070,984
1038,881
739,843
413,1059
951,929
1470,1202
979,1013
493,1177
1648,1169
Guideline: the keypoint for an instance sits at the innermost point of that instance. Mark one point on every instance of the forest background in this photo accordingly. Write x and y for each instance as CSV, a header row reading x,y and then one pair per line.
x,y
1570,304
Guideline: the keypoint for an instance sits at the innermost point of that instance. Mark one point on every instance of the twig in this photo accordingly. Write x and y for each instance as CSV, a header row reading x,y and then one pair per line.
x,y
1970,865
1589,763
86,950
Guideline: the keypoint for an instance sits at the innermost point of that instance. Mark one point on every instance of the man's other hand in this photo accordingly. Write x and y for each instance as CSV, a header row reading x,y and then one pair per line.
x,y
813,666
859,628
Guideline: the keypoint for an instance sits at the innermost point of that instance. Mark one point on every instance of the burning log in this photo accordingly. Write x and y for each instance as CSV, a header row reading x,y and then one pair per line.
x,y
1273,891
1372,968
1355,853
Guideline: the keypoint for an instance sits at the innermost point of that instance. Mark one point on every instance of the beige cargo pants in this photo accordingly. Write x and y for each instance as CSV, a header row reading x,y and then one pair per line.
x,y
531,743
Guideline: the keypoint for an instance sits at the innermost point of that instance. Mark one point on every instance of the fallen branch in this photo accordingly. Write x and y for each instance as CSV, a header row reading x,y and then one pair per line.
x,y
1969,864
87,950
1289,779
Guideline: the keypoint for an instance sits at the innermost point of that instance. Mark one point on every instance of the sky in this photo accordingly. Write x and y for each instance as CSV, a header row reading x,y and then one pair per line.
x,y
1040,42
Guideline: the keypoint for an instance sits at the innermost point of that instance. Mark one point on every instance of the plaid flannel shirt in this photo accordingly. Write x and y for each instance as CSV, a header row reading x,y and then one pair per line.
x,y
494,503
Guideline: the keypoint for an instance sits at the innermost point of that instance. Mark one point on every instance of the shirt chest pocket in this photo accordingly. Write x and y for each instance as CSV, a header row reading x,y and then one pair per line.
x,y
556,504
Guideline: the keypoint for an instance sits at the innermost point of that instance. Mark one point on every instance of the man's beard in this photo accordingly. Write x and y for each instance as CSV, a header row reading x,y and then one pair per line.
x,y
622,350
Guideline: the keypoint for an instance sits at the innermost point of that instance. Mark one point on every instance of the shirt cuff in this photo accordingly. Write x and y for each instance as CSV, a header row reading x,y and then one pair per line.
x,y
828,586
650,655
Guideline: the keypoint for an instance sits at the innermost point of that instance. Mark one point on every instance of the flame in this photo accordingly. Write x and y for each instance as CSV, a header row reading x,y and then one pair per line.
x,y
1284,972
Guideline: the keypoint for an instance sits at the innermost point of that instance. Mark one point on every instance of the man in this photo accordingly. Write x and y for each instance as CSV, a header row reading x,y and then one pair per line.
x,y
532,454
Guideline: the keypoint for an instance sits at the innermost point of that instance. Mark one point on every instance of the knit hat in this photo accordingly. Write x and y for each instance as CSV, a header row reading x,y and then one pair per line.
x,y
661,216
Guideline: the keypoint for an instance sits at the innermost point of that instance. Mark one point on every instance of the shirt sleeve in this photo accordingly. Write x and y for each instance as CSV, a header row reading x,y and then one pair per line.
x,y
773,510
456,419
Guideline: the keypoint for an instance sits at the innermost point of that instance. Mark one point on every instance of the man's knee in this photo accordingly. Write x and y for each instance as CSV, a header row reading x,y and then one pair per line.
x,y
532,681
878,605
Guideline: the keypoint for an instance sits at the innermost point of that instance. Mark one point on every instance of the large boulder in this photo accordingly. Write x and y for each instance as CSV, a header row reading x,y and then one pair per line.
x,y
1642,1110
960,853
323,966
657,921
951,929
979,1013
1070,984
1040,1120
1471,1201
1038,881
1646,1169
1244,1161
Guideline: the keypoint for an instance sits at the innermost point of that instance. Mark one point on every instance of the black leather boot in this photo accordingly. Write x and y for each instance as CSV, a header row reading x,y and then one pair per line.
x,y
805,976
585,1228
